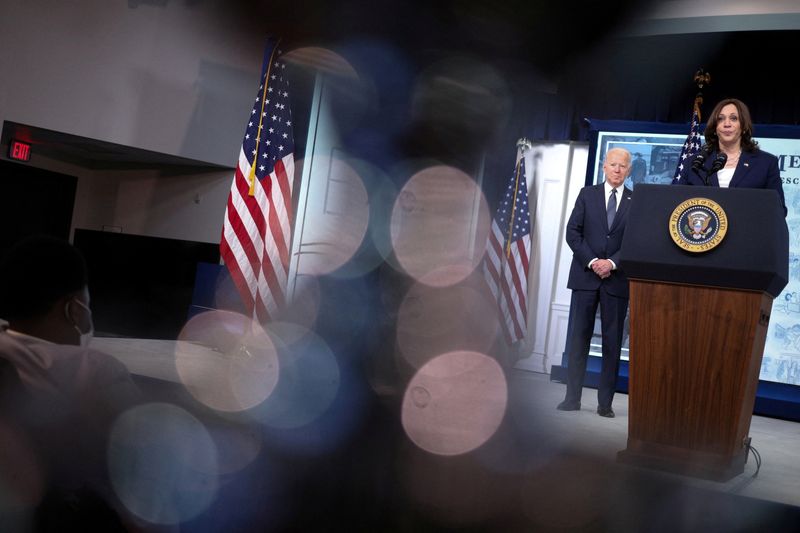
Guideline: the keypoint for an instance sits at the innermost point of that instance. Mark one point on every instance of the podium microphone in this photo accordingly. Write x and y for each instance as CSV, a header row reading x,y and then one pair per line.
x,y
701,157
718,163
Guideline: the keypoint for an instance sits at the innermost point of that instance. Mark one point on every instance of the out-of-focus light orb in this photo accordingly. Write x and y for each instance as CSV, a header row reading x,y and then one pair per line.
x,y
455,403
322,60
304,305
432,321
309,378
461,102
162,463
377,245
237,445
21,476
439,226
335,216
347,96
226,360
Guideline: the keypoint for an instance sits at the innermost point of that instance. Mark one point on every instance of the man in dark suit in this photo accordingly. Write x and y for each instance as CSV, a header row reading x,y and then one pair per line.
x,y
594,233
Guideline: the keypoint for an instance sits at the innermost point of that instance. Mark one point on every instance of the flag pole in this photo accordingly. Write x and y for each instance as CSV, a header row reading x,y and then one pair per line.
x,y
251,176
522,145
701,78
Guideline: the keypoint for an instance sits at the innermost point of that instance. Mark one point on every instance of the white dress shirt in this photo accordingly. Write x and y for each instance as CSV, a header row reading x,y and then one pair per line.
x,y
608,189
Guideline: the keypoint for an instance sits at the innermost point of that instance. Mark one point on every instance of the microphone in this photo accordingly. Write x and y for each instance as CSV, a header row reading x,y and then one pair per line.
x,y
701,157
718,163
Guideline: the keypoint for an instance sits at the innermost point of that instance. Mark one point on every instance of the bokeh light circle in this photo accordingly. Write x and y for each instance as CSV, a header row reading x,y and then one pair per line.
x,y
461,101
309,380
433,320
322,60
377,245
162,463
304,305
226,360
439,225
335,218
455,403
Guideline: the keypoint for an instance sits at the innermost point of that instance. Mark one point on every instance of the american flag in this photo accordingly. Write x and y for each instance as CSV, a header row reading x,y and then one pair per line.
x,y
505,267
256,232
692,144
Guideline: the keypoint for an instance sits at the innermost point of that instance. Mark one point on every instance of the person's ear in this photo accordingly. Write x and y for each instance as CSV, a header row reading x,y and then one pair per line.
x,y
65,304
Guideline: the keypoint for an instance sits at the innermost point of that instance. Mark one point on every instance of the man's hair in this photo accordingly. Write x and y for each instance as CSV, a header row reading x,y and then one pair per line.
x,y
35,273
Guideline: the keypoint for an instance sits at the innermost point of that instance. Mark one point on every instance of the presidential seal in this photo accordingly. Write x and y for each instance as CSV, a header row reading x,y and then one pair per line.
x,y
698,225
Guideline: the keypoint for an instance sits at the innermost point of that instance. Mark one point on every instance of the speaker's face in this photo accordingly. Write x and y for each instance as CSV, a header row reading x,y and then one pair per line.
x,y
729,128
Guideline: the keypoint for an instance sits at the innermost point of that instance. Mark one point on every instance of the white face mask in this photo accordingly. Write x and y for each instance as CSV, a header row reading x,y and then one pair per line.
x,y
85,338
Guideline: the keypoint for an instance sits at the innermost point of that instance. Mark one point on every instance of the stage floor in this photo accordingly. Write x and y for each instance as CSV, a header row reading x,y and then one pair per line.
x,y
778,441
354,463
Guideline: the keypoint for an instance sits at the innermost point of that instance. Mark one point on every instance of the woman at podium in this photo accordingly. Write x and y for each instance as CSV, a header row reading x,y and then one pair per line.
x,y
730,157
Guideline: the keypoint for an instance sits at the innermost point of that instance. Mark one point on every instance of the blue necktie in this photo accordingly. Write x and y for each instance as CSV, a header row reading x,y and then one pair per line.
x,y
611,210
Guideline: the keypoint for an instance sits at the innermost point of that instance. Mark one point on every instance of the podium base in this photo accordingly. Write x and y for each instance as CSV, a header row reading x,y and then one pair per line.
x,y
699,468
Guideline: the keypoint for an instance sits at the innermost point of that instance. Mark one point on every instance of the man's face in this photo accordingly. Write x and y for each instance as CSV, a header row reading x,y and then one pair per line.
x,y
616,167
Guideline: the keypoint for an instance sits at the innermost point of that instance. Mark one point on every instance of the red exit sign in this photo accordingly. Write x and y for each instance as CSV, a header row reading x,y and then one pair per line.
x,y
19,150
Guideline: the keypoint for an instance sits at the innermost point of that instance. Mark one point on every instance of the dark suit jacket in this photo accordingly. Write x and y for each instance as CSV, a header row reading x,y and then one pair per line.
x,y
589,236
755,170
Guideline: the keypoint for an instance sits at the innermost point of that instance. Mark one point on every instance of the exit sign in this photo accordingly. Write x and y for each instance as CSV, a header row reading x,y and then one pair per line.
x,y
19,150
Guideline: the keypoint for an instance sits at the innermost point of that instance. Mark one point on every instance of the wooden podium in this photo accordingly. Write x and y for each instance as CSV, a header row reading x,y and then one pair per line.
x,y
698,324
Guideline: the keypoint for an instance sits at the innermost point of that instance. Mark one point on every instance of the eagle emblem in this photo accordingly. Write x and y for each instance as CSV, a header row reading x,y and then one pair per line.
x,y
697,224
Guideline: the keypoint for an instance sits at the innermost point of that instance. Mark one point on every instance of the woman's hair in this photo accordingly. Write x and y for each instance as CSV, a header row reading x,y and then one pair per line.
x,y
748,144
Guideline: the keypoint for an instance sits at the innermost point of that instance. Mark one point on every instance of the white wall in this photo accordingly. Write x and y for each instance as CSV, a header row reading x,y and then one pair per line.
x,y
559,305
169,78
556,170
176,79
187,207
